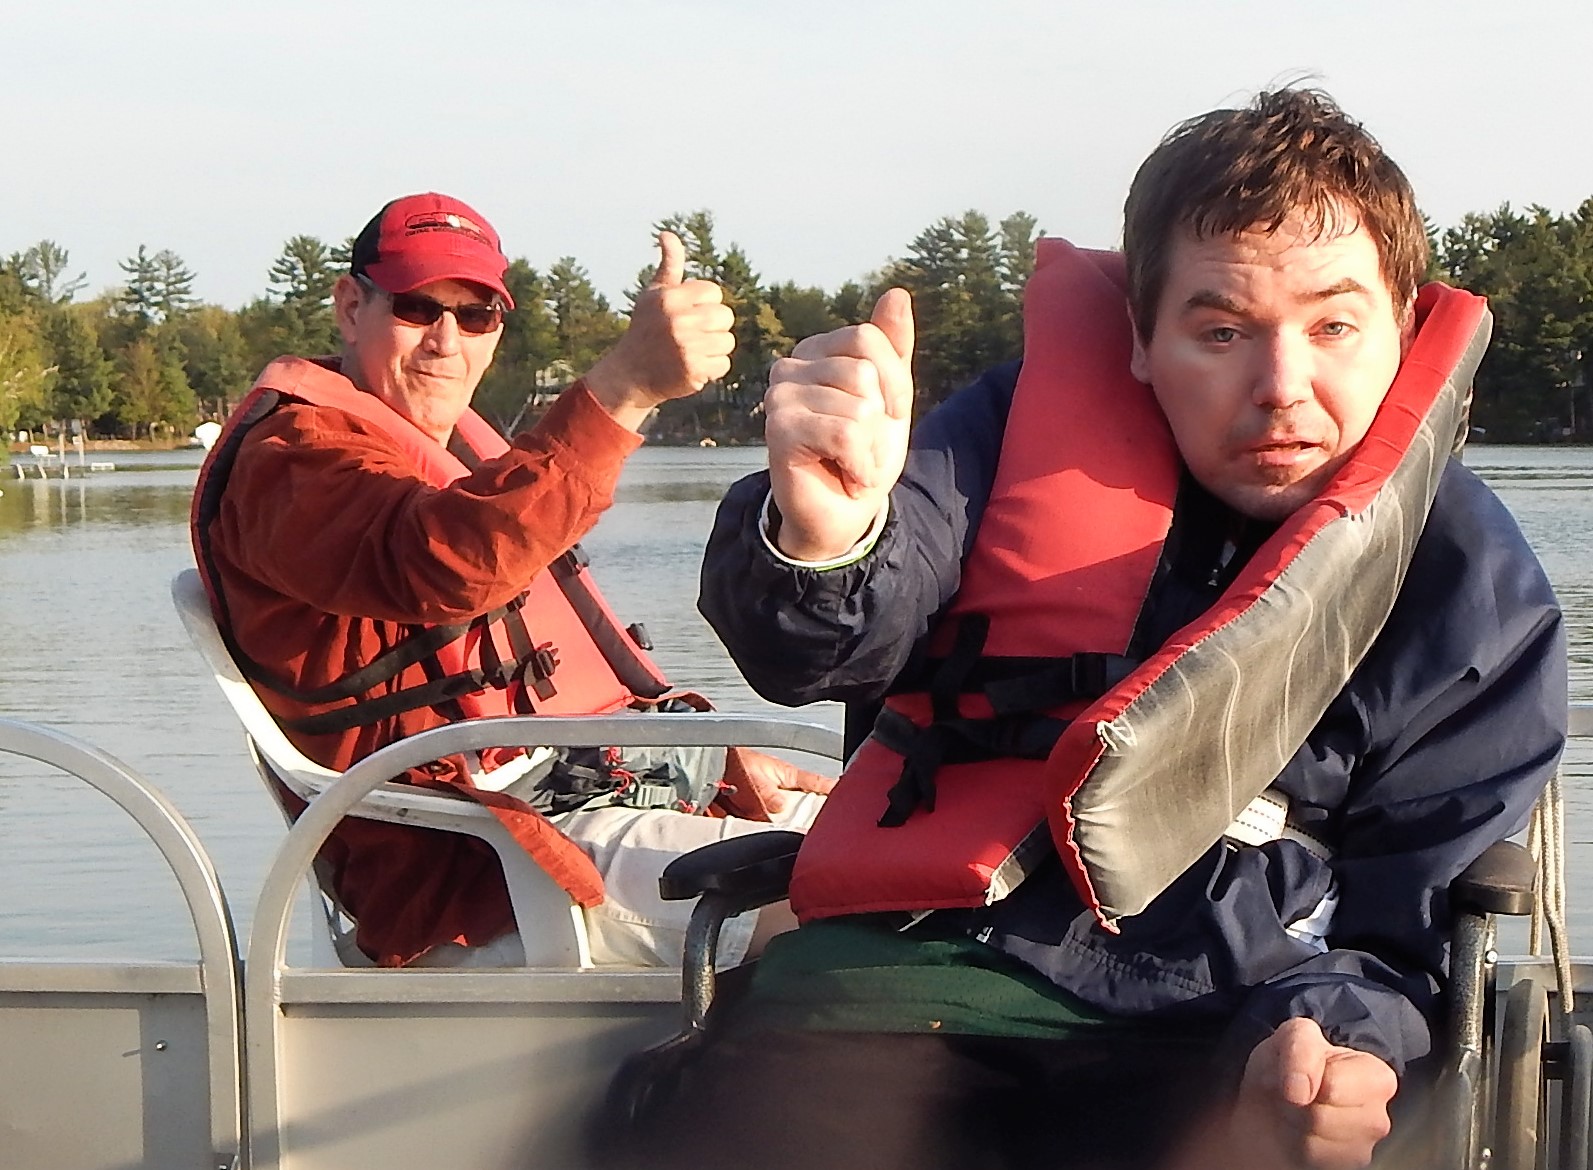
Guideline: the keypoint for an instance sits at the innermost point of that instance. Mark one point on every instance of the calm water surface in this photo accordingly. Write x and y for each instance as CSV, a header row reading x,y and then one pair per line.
x,y
89,644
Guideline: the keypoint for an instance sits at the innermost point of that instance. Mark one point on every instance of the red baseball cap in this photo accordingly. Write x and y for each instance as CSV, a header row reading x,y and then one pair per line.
x,y
422,238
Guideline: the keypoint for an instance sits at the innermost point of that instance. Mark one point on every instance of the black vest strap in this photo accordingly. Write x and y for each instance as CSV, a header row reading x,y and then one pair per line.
x,y
1019,691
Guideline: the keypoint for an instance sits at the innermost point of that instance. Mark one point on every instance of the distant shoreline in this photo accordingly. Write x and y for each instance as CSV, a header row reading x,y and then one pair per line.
x,y
111,445
102,445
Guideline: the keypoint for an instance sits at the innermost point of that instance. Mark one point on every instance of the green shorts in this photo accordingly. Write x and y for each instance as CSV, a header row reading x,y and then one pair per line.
x,y
855,975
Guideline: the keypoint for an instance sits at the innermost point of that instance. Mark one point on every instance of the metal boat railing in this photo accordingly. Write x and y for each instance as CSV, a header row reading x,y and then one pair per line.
x,y
262,1024
217,970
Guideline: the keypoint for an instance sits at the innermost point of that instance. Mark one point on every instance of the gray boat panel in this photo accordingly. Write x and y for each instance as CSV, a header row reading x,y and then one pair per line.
x,y
113,1066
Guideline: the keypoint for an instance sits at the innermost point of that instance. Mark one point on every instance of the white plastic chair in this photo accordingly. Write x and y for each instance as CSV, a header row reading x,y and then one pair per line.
x,y
559,936
551,926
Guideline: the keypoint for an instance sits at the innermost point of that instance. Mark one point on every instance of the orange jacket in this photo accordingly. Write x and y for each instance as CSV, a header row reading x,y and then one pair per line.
x,y
331,532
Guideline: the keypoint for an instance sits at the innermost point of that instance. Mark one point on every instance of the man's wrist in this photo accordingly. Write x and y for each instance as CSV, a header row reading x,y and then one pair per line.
x,y
769,528
618,394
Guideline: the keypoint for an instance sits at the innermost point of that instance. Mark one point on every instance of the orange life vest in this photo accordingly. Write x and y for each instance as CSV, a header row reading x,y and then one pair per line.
x,y
1034,732
555,649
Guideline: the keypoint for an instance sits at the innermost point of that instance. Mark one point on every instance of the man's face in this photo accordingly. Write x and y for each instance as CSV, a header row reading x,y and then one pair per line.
x,y
427,373
1271,355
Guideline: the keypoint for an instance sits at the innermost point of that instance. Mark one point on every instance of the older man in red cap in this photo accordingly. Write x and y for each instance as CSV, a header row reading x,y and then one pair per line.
x,y
382,562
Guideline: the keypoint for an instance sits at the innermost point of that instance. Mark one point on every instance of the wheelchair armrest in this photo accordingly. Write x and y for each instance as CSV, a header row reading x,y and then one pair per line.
x,y
1501,881
728,878
751,871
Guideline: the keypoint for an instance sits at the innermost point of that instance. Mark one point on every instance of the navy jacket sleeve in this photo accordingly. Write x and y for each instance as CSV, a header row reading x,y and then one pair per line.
x,y
799,635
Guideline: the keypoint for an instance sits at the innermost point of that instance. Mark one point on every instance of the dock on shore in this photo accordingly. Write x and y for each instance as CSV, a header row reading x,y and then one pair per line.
x,y
42,463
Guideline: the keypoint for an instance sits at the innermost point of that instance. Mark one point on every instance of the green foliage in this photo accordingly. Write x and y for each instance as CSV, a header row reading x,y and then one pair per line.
x,y
158,287
696,231
583,324
527,363
804,312
15,296
965,278
42,270
1536,269
853,303
84,376
150,360
216,361
25,372
760,334
153,394
301,278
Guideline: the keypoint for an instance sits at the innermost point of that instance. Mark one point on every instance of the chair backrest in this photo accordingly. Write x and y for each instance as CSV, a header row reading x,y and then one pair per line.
x,y
297,770
551,926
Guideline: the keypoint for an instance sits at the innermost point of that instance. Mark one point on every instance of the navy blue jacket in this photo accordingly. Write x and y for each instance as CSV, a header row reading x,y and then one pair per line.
x,y
1436,749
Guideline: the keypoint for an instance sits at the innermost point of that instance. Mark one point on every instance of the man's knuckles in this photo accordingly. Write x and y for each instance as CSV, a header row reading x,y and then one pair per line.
x,y
852,376
699,292
1351,1079
844,342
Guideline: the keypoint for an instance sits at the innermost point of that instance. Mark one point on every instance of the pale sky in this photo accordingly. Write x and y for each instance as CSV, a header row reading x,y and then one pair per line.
x,y
823,135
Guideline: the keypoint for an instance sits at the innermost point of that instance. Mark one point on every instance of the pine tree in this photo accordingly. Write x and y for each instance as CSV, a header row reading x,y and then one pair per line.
x,y
174,285
83,375
1536,269
524,364
803,312
584,325
43,267
760,336
302,277
140,294
960,273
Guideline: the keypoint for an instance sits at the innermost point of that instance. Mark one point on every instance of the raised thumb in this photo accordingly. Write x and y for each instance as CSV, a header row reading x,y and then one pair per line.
x,y
672,262
893,316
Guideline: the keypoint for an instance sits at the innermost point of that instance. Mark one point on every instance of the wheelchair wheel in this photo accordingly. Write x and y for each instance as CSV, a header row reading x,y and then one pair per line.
x,y
1518,1118
1576,1103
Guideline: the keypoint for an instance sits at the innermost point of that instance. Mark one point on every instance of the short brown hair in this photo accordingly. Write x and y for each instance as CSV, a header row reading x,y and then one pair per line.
x,y
1230,171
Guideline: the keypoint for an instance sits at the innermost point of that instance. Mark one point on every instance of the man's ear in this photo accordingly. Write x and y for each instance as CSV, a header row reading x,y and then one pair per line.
x,y
347,299
1407,326
1138,360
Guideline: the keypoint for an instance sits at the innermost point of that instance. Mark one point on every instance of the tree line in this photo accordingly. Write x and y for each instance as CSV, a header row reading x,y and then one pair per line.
x,y
148,359
1536,269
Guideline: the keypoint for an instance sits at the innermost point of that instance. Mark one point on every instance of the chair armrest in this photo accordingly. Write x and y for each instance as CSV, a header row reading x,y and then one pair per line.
x,y
1501,881
728,878
752,870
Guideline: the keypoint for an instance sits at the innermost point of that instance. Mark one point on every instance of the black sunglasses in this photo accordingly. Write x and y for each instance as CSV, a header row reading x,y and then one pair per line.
x,y
419,309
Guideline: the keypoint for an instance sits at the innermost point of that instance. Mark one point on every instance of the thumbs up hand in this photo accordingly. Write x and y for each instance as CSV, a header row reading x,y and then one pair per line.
x,y
838,412
679,339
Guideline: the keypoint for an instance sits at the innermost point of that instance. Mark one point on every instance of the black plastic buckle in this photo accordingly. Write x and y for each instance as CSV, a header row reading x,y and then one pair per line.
x,y
544,661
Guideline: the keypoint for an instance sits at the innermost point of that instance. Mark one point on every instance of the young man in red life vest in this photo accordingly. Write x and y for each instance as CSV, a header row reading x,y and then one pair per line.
x,y
382,562
1254,385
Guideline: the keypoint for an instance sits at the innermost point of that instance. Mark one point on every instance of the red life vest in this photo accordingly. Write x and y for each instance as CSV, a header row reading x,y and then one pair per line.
x,y
555,649
1034,732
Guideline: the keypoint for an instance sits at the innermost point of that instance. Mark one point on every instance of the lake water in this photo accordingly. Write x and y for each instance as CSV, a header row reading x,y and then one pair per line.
x,y
90,645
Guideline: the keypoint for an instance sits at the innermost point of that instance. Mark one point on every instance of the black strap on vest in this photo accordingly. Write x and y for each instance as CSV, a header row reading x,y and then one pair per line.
x,y
1019,690
440,690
